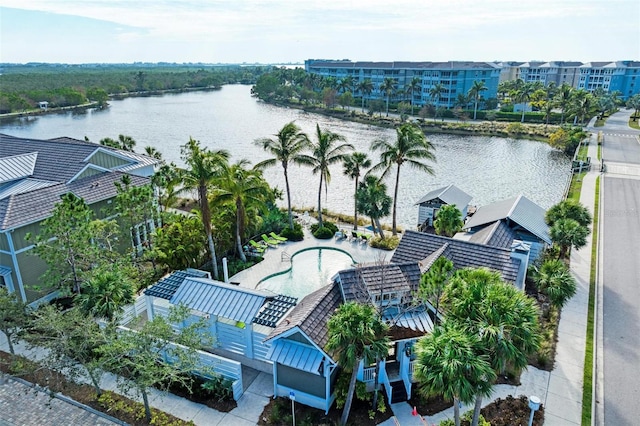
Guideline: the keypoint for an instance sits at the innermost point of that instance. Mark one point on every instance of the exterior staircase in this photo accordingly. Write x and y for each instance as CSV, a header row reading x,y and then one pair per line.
x,y
398,392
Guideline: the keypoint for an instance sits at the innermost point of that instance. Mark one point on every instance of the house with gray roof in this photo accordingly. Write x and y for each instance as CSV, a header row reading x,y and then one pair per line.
x,y
514,219
34,174
432,202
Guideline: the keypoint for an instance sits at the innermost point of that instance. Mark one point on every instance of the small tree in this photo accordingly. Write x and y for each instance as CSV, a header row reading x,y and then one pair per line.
x,y
353,167
356,332
373,201
13,316
180,243
433,282
449,221
568,209
71,339
65,244
568,233
155,355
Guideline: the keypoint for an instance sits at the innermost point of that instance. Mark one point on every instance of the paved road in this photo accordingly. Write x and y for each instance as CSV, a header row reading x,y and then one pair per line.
x,y
618,390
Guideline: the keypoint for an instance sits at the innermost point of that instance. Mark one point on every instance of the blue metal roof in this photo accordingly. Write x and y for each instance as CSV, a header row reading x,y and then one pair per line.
x,y
167,286
220,299
296,355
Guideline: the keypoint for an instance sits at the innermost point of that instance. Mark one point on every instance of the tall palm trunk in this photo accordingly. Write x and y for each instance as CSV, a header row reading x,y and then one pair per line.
x,y
394,229
352,388
387,105
239,216
355,207
206,222
286,184
320,203
523,109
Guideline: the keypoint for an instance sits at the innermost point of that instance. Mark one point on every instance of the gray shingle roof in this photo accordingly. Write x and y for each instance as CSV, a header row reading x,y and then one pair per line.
x,y
416,246
21,209
450,195
311,315
519,210
220,299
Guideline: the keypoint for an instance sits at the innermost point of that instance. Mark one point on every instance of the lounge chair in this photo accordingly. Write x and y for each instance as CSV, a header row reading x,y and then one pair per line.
x,y
278,237
355,235
257,246
270,241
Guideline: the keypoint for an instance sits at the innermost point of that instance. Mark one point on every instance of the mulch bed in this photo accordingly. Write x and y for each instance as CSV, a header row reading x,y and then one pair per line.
x,y
117,406
278,413
511,412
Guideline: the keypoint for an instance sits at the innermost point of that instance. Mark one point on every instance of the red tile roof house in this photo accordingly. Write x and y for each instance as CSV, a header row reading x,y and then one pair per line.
x,y
34,174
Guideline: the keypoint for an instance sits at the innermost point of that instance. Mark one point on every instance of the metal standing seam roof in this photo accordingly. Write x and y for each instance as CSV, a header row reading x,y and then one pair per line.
x,y
415,319
296,355
17,166
274,310
220,299
22,186
449,194
167,286
520,210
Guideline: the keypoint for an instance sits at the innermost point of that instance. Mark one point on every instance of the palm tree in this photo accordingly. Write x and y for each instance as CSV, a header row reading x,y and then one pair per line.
x,y
127,143
354,164
365,87
413,85
634,102
568,209
476,90
373,201
563,98
435,92
411,146
290,141
450,363
356,332
448,221
203,166
346,84
387,87
324,153
242,189
106,292
550,91
554,279
567,233
503,317
523,95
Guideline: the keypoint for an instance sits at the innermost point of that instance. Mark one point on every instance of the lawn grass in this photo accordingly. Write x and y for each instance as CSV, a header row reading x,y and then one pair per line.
x,y
587,387
634,124
599,122
583,152
576,186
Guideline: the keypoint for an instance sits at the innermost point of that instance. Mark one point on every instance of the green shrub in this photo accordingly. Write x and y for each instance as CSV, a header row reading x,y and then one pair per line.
x,y
323,233
218,388
325,224
389,243
295,234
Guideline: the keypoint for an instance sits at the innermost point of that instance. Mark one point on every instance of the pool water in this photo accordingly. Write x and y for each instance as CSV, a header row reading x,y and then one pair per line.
x,y
310,270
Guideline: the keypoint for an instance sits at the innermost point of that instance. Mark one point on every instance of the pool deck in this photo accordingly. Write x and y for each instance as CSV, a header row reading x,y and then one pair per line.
x,y
274,262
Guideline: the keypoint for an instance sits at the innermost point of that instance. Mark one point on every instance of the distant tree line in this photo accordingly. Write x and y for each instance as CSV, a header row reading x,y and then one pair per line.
x,y
23,87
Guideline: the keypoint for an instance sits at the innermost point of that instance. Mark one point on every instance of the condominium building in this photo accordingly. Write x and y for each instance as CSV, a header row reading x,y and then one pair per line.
x,y
455,77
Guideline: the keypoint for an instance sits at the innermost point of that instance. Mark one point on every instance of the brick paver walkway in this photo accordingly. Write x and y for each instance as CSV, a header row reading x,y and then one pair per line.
x,y
21,405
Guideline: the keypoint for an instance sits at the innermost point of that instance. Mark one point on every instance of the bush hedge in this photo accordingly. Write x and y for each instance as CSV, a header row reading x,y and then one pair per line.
x,y
295,234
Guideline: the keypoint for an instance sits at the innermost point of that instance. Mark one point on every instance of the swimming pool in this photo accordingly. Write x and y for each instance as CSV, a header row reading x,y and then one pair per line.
x,y
310,270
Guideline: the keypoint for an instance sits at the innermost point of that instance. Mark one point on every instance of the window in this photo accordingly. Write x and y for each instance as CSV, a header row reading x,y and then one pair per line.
x,y
2,282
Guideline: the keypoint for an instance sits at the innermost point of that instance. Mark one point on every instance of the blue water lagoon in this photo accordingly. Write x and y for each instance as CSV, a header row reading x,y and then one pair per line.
x,y
310,270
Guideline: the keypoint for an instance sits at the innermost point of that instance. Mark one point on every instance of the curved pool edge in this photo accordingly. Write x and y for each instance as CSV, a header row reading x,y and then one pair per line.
x,y
275,274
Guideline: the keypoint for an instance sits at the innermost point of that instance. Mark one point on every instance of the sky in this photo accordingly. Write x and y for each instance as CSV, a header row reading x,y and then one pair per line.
x,y
283,31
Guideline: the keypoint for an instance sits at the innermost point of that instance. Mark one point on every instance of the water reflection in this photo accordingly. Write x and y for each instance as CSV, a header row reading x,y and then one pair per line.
x,y
488,168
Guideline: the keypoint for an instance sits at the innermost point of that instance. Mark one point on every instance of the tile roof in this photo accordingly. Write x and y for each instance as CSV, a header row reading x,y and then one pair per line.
x,y
416,246
167,286
28,207
519,210
363,282
497,234
449,194
311,315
